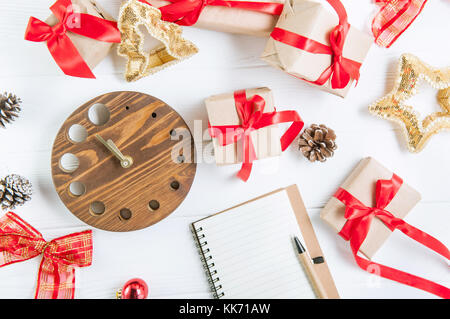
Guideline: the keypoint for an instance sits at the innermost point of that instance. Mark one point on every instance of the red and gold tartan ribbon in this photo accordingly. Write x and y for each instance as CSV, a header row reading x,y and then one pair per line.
x,y
19,241
394,17
359,217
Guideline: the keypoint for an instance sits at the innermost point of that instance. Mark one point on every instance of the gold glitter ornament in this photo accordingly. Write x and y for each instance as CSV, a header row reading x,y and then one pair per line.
x,y
173,49
392,106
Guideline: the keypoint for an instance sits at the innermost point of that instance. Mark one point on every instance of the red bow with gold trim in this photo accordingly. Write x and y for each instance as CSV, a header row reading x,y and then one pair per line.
x,y
187,12
341,69
59,44
252,117
19,241
393,18
359,218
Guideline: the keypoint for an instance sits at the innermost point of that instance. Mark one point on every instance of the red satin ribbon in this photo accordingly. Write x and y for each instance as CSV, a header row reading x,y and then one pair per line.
x,y
359,218
394,18
19,241
341,69
187,12
252,117
59,44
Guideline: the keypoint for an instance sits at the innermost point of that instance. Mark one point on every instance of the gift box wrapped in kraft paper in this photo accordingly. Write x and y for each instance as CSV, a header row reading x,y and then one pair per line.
x,y
243,126
253,17
361,183
317,45
370,204
87,33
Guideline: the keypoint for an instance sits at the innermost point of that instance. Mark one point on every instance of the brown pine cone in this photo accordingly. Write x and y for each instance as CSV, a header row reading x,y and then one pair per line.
x,y
317,143
15,190
9,108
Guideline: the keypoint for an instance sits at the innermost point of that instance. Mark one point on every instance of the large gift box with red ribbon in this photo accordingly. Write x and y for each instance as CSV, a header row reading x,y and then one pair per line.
x,y
79,35
361,184
243,126
317,45
370,204
253,17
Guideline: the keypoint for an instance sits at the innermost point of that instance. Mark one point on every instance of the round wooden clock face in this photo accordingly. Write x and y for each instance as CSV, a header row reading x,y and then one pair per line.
x,y
128,171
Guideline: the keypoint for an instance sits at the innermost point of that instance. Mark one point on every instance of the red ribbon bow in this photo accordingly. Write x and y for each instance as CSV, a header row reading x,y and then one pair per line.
x,y
187,12
393,18
341,69
252,117
19,241
359,218
59,44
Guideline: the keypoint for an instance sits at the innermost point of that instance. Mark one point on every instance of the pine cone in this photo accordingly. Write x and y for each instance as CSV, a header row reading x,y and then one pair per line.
x,y
14,191
317,143
9,108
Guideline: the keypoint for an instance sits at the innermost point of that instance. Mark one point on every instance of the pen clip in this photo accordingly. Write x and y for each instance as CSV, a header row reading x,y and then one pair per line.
x,y
318,260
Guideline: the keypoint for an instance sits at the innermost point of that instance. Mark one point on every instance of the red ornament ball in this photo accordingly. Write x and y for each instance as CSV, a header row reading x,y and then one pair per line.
x,y
135,289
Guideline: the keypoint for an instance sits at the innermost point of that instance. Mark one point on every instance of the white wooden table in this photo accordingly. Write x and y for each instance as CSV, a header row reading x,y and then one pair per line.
x,y
164,254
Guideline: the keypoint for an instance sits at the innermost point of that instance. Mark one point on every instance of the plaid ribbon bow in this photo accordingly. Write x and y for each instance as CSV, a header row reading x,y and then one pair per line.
x,y
19,241
394,17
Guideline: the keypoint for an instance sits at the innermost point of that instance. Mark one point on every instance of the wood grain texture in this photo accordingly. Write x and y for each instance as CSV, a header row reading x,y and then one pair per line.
x,y
225,63
141,127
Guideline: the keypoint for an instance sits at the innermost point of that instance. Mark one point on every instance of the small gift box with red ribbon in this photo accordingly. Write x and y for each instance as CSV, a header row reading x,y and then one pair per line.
x,y
79,35
317,45
243,126
254,17
367,208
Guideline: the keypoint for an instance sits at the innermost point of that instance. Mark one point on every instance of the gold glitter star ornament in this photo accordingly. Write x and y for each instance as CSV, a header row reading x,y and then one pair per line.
x,y
393,106
173,49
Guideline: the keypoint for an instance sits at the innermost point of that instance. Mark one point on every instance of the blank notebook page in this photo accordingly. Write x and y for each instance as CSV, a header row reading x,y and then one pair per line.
x,y
251,247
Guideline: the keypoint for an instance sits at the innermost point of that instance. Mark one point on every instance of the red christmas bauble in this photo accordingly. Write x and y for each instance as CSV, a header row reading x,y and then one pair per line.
x,y
135,289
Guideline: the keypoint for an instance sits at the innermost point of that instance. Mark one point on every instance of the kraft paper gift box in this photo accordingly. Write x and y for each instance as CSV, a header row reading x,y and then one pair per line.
x,y
221,111
92,51
313,21
233,20
361,184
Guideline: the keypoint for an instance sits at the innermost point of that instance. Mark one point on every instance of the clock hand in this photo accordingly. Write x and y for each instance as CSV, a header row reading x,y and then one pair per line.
x,y
108,146
125,161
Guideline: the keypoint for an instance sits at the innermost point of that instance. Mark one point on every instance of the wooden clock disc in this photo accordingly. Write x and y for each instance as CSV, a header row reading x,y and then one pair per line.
x,y
124,199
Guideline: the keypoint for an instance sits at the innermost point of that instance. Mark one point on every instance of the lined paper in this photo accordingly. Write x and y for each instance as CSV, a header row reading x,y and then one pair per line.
x,y
253,252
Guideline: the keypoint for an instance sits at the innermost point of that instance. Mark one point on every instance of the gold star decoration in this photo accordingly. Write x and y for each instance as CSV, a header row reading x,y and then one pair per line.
x,y
173,49
393,106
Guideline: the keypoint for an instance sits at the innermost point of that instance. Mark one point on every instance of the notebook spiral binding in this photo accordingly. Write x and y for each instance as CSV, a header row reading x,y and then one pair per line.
x,y
208,264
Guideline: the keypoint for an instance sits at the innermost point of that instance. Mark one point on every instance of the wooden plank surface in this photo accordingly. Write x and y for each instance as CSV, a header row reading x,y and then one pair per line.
x,y
164,254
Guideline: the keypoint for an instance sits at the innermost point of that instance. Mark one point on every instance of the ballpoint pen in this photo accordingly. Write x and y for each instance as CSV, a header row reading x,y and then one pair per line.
x,y
309,269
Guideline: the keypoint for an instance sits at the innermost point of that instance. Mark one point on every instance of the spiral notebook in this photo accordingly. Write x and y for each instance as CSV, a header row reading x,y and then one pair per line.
x,y
248,250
